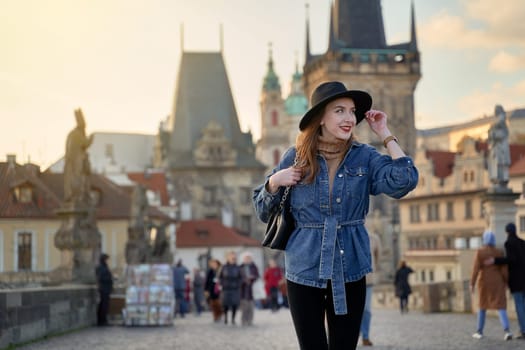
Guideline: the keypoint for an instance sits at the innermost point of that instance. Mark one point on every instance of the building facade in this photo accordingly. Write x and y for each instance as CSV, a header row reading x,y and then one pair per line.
x,y
443,219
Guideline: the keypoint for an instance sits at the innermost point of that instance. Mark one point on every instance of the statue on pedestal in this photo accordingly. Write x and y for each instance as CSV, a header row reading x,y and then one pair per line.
x,y
499,150
78,237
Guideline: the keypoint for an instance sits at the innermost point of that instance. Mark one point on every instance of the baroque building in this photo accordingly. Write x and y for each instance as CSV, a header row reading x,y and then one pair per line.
x,y
443,218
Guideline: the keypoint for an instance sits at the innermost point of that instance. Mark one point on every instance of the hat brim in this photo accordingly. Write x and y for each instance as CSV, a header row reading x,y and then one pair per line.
x,y
362,101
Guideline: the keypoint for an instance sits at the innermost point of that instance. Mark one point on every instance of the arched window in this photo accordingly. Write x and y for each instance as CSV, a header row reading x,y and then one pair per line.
x,y
275,118
276,156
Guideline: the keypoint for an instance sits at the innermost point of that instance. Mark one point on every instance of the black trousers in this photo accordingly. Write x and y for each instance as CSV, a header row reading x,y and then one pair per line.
x,y
310,307
103,308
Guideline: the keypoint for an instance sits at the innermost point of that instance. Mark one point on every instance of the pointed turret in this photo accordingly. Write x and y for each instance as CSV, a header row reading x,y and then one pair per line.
x,y
271,80
413,38
331,36
308,54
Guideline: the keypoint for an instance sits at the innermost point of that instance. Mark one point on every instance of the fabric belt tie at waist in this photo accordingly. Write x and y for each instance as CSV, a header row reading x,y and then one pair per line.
x,y
330,264
322,224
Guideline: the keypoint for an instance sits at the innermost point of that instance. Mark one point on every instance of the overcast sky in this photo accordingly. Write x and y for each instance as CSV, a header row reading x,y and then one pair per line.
x,y
118,60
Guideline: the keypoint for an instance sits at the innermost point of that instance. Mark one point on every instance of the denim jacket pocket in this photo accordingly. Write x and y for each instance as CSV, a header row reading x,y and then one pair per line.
x,y
356,181
303,195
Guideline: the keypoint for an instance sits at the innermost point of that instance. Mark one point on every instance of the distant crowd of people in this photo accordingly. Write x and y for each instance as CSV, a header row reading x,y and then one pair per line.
x,y
227,287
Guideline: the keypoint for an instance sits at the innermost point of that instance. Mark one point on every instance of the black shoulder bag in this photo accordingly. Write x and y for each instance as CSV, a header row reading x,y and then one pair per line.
x,y
280,224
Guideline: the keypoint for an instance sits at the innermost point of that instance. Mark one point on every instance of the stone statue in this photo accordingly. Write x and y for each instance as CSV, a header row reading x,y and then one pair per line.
x,y
499,149
76,167
137,246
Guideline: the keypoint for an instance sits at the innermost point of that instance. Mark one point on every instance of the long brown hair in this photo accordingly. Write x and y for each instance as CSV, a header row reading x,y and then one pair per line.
x,y
307,144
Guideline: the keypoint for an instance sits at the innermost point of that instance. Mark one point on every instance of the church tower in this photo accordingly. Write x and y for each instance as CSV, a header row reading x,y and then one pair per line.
x,y
210,161
358,55
274,139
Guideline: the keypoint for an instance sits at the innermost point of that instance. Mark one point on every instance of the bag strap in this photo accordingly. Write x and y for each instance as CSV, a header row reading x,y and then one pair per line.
x,y
287,189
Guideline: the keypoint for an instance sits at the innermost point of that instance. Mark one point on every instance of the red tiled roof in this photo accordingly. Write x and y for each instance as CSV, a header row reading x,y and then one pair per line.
x,y
443,162
44,201
48,191
155,181
210,233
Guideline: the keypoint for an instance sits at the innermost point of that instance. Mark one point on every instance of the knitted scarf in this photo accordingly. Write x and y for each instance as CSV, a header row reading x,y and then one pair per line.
x,y
332,149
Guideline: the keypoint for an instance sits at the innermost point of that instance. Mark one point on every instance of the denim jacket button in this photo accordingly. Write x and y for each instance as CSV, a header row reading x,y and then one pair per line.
x,y
342,252
338,200
340,175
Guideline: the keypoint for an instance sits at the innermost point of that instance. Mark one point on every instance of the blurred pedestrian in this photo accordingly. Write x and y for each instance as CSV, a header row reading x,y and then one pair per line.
x,y
250,273
212,289
198,290
272,276
179,287
371,279
403,289
515,259
230,279
492,284
105,287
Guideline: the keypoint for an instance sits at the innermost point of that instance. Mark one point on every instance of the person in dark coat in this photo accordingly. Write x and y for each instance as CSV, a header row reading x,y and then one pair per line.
x,y
250,273
515,259
403,289
230,278
105,287
198,290
212,289
179,287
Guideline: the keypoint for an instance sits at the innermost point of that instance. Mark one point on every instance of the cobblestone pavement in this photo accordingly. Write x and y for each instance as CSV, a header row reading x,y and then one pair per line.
x,y
274,331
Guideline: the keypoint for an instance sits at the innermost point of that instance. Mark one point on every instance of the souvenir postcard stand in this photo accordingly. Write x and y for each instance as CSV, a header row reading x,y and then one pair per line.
x,y
149,295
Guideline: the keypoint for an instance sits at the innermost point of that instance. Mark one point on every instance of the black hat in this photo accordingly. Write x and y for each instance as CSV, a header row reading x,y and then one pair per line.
x,y
332,90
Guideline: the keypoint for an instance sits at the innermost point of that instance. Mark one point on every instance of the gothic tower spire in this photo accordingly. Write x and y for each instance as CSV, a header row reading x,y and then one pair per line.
x,y
308,54
413,38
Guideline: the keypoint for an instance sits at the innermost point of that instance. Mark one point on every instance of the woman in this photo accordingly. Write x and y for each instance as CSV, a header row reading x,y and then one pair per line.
x,y
272,276
492,285
250,273
230,278
328,254
403,289
212,289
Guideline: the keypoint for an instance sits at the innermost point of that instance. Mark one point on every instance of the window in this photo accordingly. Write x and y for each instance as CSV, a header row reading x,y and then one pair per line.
x,y
465,177
423,276
431,275
523,189
468,209
472,176
449,275
414,213
450,211
275,118
433,212
449,243
210,195
24,194
24,251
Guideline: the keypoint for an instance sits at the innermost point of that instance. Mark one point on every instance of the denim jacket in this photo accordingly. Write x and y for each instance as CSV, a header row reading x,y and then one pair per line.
x,y
330,241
